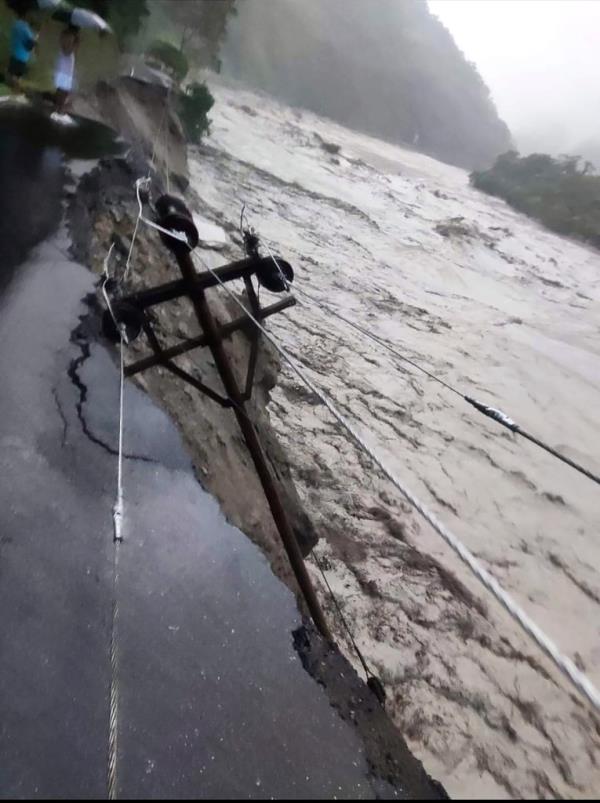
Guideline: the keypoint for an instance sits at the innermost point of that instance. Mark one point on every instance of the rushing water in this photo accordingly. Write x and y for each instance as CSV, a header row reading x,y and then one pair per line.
x,y
510,314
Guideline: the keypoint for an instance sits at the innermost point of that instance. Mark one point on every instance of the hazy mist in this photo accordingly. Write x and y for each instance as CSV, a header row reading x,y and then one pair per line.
x,y
541,61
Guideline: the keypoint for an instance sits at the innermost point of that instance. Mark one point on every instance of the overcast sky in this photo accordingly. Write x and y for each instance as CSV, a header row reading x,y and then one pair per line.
x,y
541,60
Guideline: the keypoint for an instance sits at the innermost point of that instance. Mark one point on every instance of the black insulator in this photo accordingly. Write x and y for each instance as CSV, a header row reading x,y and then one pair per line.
x,y
377,688
251,243
269,274
170,205
126,315
174,215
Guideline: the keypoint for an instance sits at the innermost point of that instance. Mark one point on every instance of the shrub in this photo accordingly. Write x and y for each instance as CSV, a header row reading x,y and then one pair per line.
x,y
172,58
561,192
194,105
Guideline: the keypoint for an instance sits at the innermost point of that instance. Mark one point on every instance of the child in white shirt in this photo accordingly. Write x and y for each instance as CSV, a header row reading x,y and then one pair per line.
x,y
64,71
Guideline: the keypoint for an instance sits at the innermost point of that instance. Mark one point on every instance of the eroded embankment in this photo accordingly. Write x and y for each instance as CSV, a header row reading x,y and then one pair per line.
x,y
103,213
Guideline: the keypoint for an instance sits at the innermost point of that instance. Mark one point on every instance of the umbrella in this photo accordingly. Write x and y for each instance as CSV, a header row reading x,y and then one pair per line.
x,y
80,18
63,12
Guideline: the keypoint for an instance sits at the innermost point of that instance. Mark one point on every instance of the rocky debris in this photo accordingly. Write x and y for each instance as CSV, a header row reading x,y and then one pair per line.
x,y
144,115
332,148
459,228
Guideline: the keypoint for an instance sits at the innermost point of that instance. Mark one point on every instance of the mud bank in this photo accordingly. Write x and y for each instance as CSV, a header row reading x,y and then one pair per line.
x,y
102,213
143,113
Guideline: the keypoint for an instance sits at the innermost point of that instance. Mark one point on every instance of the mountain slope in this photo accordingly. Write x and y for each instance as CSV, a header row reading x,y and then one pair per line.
x,y
387,68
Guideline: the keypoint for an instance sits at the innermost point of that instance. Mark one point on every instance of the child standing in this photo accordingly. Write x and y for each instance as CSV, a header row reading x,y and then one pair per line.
x,y
22,42
64,72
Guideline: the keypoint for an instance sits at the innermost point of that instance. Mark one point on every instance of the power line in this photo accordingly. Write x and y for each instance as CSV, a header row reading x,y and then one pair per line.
x,y
579,680
340,613
373,682
490,412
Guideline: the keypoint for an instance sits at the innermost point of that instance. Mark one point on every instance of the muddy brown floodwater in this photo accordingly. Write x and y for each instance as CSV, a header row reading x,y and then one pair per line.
x,y
510,314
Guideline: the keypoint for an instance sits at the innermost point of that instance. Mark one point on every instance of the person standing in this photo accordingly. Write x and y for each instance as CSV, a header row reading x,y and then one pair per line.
x,y
64,71
23,40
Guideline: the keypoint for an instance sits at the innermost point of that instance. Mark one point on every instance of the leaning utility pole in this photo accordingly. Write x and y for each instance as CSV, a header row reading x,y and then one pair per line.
x,y
130,312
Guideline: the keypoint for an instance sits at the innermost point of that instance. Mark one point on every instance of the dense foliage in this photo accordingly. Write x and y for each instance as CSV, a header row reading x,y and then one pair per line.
x,y
194,105
563,193
171,57
197,27
125,16
388,67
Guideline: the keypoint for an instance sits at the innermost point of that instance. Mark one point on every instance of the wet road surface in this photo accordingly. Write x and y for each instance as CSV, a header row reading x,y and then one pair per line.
x,y
214,701
32,173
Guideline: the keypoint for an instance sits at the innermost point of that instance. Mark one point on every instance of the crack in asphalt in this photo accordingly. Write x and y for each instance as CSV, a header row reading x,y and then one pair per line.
x,y
63,417
73,370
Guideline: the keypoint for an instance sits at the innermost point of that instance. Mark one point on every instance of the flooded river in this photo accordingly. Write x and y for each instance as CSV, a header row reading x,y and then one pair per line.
x,y
510,314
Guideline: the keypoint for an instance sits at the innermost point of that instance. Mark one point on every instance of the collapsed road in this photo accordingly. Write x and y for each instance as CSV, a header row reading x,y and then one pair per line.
x,y
215,697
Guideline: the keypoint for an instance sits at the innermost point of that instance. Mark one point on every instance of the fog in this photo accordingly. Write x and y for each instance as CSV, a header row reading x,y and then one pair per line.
x,y
386,67
541,60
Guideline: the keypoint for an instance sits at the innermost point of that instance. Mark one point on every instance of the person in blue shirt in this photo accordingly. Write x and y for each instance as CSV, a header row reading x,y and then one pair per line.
x,y
22,42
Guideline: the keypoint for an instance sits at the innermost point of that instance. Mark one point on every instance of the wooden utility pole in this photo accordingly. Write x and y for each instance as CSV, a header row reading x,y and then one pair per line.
x,y
132,312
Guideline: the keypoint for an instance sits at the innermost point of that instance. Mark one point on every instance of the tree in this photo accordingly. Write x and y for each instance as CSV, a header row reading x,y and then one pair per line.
x,y
562,192
125,16
202,25
171,57
194,105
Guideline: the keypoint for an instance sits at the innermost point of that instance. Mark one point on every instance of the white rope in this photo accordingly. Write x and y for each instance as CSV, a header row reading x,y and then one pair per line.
x,y
138,185
113,725
107,278
581,682
118,508
118,513
176,235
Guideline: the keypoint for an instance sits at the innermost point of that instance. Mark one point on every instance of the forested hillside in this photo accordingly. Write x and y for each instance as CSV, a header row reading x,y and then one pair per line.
x,y
388,68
